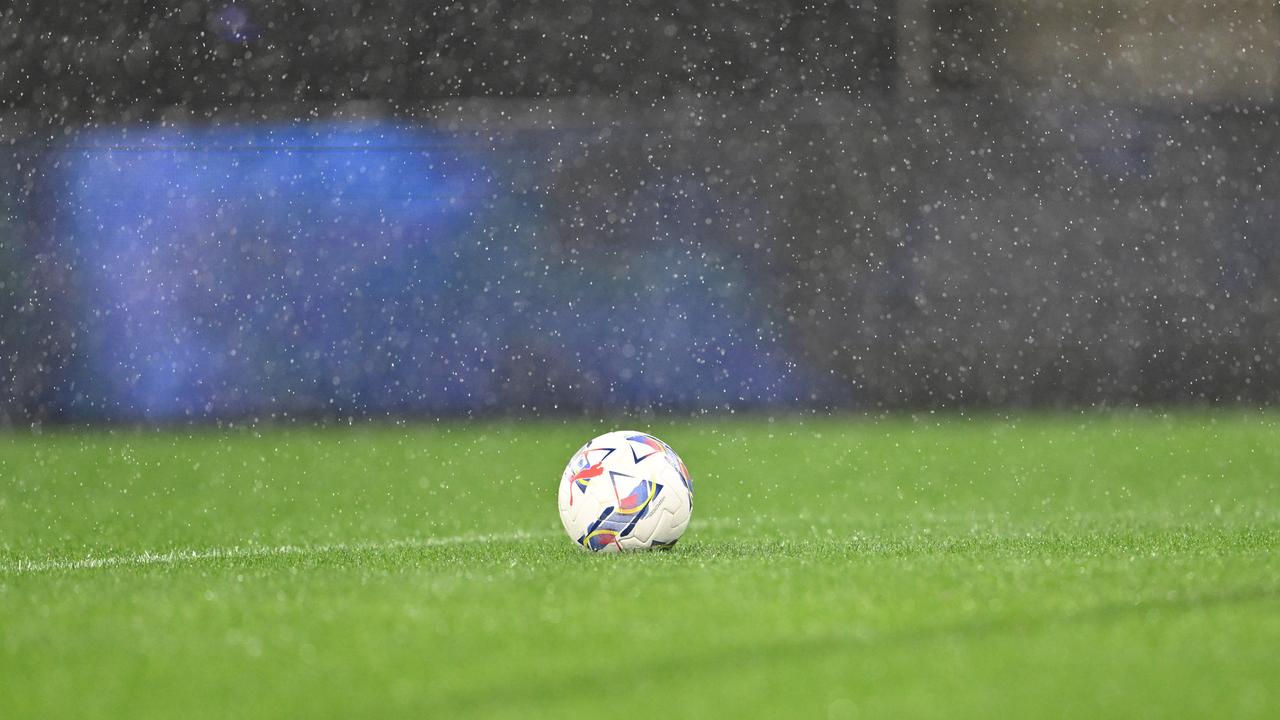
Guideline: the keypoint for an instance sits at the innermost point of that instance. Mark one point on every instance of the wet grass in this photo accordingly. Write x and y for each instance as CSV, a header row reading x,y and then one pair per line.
x,y
1111,565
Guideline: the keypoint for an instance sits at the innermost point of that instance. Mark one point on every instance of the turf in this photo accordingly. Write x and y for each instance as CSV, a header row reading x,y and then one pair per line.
x,y
1041,566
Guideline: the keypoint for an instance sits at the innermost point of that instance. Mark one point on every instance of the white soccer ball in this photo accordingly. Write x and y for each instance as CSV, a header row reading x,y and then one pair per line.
x,y
625,491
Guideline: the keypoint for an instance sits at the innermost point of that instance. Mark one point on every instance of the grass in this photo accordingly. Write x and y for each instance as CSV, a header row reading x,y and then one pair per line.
x,y
1042,566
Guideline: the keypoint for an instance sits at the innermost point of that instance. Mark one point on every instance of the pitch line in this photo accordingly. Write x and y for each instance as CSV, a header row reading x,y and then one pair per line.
x,y
178,557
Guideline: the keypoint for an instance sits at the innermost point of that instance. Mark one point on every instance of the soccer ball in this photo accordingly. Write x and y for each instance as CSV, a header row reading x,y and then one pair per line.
x,y
625,491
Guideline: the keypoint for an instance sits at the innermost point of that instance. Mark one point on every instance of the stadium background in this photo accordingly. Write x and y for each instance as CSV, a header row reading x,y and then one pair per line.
x,y
336,209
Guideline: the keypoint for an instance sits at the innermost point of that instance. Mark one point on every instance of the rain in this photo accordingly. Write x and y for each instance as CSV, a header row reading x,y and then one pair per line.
x,y
722,208
916,357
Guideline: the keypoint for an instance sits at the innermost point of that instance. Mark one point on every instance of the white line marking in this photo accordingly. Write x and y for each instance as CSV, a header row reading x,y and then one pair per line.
x,y
177,557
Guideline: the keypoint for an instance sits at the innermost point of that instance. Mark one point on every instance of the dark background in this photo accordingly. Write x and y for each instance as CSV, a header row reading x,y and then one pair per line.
x,y
932,204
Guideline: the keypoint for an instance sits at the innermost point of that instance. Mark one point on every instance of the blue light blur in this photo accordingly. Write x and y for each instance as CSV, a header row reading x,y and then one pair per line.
x,y
370,270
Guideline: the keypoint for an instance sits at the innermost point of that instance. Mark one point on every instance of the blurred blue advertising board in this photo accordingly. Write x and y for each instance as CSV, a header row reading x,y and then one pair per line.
x,y
366,270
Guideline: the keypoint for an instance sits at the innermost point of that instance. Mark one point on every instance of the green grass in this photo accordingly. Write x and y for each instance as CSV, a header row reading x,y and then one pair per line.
x,y
1090,565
